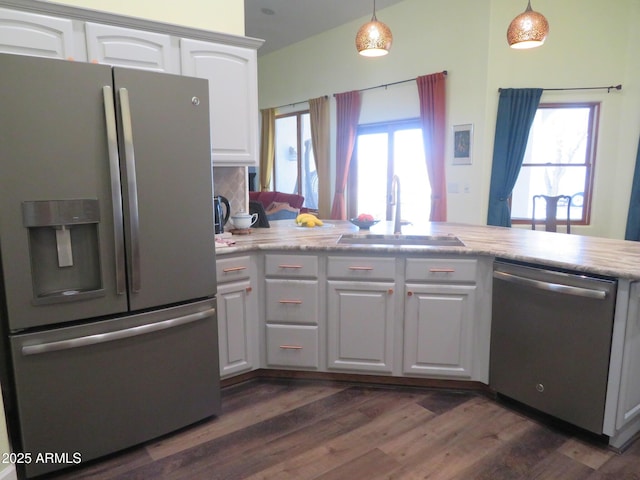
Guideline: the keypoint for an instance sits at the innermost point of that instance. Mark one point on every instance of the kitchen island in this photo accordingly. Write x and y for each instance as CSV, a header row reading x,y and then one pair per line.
x,y
603,256
372,304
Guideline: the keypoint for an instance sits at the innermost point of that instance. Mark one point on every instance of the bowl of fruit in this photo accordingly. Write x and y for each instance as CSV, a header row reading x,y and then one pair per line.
x,y
364,221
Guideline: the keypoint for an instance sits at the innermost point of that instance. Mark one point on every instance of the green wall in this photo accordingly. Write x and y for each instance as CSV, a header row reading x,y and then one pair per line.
x,y
591,43
225,16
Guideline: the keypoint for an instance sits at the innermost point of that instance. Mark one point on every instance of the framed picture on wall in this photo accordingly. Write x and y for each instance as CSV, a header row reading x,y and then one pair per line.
x,y
462,144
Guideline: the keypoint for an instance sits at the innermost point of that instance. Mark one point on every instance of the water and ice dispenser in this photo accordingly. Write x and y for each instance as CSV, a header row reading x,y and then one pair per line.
x,y
64,249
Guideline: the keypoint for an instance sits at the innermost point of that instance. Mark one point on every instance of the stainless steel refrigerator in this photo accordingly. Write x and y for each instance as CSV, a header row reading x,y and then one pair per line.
x,y
107,252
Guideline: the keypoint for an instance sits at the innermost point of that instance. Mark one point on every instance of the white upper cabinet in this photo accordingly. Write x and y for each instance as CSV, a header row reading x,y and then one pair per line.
x,y
233,92
126,47
38,35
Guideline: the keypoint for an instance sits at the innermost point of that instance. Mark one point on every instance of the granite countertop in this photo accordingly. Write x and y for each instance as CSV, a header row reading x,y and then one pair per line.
x,y
604,256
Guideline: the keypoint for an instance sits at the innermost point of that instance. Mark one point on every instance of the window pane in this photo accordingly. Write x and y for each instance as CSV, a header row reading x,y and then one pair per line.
x,y
557,161
372,174
286,155
548,181
410,166
558,135
308,167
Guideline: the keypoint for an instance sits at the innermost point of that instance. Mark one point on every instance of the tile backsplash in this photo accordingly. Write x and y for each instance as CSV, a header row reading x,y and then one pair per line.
x,y
231,182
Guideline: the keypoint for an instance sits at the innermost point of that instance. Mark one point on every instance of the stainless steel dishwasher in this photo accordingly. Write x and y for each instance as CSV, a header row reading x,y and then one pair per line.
x,y
551,340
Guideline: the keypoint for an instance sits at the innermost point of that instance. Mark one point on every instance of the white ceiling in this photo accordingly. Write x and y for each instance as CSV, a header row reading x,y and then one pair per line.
x,y
295,20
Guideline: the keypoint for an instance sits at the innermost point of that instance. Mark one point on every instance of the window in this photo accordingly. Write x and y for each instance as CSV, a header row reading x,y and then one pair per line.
x,y
559,160
294,164
382,151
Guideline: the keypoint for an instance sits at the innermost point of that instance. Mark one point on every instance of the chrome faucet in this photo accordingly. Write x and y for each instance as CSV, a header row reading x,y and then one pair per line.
x,y
394,199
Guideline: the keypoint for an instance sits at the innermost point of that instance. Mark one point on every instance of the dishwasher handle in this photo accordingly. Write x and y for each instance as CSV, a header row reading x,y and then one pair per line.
x,y
551,287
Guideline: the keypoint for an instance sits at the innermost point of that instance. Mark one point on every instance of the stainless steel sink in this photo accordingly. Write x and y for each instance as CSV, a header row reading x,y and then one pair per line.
x,y
402,240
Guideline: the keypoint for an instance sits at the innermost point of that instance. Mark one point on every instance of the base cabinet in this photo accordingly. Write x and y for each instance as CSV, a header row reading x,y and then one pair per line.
x,y
360,326
292,346
291,314
629,402
438,322
237,315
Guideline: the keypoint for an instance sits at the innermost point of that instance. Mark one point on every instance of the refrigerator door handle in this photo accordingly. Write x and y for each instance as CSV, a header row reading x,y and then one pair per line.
x,y
116,198
132,188
116,335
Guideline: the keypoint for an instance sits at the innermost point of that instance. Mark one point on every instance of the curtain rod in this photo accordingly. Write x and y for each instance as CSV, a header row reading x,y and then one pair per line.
x,y
609,88
385,85
296,103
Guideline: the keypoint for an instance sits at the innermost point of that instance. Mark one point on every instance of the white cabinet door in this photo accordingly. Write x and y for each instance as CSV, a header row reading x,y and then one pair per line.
x,y
360,326
233,92
438,335
127,47
38,35
629,401
237,327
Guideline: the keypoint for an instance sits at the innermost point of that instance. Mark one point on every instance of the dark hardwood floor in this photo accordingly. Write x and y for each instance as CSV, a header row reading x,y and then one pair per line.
x,y
297,430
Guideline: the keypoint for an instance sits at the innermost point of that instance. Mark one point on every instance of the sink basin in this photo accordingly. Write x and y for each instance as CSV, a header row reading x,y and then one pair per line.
x,y
402,240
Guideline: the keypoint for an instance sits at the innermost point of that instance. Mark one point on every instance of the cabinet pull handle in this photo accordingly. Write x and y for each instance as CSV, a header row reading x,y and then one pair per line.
x,y
292,302
290,347
442,270
409,294
233,269
289,266
248,289
361,268
390,291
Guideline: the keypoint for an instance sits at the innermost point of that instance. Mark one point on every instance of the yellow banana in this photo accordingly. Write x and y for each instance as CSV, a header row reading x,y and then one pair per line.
x,y
308,220
304,217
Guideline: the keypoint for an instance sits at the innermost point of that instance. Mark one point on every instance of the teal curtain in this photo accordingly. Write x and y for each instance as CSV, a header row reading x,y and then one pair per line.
x,y
633,217
516,111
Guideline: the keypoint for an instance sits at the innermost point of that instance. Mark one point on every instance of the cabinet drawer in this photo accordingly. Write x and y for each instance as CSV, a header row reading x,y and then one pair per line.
x,y
361,268
292,346
292,301
291,266
440,270
233,269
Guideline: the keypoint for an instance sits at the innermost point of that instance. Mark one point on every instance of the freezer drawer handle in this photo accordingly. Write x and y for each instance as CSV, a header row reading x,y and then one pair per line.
x,y
117,335
132,188
116,199
551,287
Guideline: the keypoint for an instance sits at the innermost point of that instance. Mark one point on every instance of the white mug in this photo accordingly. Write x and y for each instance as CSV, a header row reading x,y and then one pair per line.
x,y
243,220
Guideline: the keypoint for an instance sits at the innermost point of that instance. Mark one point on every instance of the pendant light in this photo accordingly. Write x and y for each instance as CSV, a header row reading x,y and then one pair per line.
x,y
528,30
374,38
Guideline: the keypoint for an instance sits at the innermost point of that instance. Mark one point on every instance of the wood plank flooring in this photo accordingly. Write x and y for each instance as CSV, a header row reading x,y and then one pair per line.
x,y
298,430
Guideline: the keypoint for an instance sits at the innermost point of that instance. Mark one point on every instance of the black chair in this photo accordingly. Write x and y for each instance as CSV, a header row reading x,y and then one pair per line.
x,y
551,221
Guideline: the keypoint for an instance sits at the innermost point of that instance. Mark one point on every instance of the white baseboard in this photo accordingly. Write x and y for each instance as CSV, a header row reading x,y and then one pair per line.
x,y
9,473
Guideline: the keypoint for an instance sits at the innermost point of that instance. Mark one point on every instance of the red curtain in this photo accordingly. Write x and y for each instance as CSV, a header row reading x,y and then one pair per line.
x,y
431,89
348,112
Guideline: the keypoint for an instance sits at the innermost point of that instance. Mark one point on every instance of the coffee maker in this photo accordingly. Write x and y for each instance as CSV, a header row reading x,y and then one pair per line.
x,y
221,214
